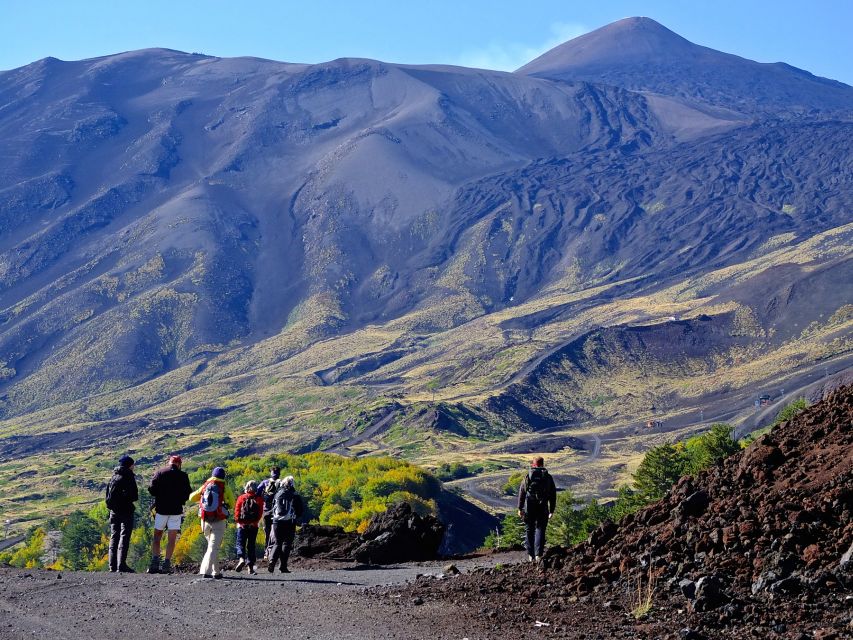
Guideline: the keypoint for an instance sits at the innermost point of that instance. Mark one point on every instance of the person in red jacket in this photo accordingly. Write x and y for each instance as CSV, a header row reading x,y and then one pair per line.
x,y
248,513
214,496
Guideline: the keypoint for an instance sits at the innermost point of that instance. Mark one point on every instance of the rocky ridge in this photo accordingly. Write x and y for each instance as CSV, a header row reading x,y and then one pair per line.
x,y
758,546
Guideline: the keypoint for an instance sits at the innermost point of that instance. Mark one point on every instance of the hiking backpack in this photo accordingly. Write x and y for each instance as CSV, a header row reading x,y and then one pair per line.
x,y
115,496
537,488
249,510
211,499
285,510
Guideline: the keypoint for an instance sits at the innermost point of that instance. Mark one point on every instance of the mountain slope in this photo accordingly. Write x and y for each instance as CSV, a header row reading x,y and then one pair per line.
x,y
239,255
642,55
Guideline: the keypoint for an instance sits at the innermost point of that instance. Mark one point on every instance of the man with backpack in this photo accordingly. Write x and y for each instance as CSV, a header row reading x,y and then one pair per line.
x,y
171,488
213,500
247,513
537,499
287,510
267,490
120,495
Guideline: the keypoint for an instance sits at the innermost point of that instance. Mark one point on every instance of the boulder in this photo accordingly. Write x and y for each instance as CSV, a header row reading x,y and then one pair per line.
x,y
399,535
331,543
710,593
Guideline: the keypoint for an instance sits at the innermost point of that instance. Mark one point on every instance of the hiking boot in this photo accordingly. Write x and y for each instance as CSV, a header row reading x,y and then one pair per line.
x,y
285,570
240,564
125,569
154,567
207,576
530,558
271,568
252,571
218,576
166,566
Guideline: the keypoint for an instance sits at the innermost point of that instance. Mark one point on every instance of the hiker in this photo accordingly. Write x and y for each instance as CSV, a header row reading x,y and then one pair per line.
x,y
537,499
287,509
120,496
213,500
267,490
248,512
171,488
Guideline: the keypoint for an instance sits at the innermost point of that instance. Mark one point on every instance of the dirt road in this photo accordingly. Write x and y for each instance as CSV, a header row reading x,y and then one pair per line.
x,y
322,604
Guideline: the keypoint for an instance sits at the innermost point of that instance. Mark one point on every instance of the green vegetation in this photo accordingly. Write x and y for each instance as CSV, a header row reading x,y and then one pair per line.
x,y
512,484
786,413
661,467
338,491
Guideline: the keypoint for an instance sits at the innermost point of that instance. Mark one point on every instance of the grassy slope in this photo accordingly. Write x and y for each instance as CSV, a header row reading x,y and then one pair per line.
x,y
273,401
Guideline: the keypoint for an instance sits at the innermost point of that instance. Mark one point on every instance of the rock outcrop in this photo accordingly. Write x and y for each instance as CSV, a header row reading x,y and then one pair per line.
x,y
758,544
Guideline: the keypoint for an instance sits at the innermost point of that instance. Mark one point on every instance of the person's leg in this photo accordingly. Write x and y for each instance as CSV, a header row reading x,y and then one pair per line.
x,y
124,541
277,541
115,533
217,534
171,540
541,526
250,535
154,567
240,546
206,531
267,535
289,533
530,535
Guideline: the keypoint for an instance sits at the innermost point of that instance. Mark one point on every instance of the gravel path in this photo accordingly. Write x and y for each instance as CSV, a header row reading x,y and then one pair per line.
x,y
321,604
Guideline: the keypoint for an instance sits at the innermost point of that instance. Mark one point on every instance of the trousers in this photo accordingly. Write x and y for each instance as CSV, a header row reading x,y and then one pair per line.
x,y
213,531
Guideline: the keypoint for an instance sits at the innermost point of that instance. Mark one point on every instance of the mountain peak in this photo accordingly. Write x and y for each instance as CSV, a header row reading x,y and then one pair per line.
x,y
638,39
640,54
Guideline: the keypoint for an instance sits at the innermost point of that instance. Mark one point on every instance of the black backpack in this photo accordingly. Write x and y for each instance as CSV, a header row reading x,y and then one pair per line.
x,y
537,488
116,496
249,510
285,509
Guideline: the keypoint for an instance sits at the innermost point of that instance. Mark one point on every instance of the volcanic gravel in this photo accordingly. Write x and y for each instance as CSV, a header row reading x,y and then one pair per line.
x,y
758,546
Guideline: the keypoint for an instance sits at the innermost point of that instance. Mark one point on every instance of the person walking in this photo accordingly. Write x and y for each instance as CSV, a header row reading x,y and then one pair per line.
x,y
248,512
213,500
287,510
537,499
267,490
171,489
120,495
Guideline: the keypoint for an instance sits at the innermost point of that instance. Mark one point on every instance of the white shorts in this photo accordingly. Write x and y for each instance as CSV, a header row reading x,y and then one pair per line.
x,y
172,523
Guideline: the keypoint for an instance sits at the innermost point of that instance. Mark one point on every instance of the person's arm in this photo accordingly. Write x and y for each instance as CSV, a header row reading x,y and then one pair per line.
x,y
237,504
552,496
522,496
229,497
134,490
188,490
195,495
153,487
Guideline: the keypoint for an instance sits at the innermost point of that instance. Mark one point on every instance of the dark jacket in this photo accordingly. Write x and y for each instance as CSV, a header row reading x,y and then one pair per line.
x,y
121,492
550,492
171,489
281,506
267,494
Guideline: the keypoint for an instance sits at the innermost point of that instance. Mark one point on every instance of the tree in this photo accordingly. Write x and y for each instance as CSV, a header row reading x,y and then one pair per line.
x,y
705,450
661,468
80,536
790,410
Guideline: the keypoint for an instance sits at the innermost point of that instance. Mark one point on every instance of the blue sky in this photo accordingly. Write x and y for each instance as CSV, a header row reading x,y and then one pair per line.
x,y
498,34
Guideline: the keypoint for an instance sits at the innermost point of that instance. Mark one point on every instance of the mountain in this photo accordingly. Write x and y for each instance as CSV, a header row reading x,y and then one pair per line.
x,y
641,55
228,256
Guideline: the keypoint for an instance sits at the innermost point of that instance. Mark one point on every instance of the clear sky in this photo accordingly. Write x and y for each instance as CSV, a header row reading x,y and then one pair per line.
x,y
500,34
